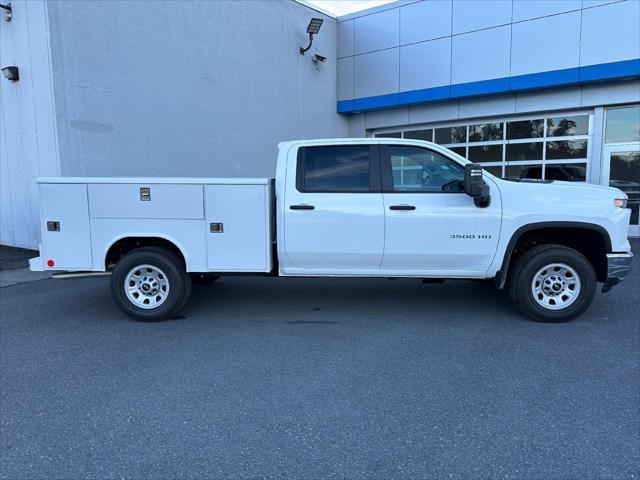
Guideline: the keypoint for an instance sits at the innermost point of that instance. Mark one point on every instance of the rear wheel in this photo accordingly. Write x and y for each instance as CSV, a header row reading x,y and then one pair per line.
x,y
552,283
150,284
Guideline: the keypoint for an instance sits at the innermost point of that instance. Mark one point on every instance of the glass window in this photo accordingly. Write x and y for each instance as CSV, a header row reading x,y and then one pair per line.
x,y
420,135
494,170
524,171
389,135
485,153
451,135
566,149
570,172
524,151
525,129
623,125
625,175
462,151
531,141
564,126
420,170
336,169
485,132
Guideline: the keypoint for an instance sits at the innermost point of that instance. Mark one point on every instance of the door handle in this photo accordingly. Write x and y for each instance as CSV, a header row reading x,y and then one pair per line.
x,y
402,207
301,207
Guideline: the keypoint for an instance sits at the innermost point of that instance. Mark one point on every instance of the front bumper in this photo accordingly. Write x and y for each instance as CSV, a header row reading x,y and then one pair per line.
x,y
618,266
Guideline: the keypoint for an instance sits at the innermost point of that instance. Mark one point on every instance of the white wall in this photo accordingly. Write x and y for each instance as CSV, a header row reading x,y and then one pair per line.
x,y
28,146
188,88
427,44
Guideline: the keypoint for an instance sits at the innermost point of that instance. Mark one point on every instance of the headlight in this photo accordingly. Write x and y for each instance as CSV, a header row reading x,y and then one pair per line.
x,y
620,202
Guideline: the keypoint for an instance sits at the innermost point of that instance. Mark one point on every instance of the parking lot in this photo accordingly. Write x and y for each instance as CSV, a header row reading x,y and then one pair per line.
x,y
308,378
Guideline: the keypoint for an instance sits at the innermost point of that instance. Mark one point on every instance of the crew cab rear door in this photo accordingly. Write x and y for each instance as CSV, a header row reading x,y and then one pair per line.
x,y
333,212
432,227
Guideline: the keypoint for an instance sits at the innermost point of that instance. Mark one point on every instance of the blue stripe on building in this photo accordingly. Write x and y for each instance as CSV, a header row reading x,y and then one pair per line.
x,y
627,69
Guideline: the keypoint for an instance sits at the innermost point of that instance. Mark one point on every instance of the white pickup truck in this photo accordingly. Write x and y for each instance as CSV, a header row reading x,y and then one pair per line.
x,y
341,208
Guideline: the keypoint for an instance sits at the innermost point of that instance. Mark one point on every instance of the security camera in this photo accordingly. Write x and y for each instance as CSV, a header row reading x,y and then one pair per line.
x,y
11,73
318,58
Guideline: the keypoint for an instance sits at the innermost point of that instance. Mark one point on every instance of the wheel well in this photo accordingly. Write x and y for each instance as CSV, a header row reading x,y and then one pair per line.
x,y
126,245
591,243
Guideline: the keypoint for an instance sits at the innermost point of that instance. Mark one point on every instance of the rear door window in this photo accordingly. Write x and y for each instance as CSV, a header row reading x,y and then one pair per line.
x,y
334,169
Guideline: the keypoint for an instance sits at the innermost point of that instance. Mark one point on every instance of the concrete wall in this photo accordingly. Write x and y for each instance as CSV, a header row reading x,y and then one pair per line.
x,y
412,52
28,142
187,88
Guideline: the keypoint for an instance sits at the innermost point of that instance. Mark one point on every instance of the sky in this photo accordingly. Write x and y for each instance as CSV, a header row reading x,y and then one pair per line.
x,y
342,7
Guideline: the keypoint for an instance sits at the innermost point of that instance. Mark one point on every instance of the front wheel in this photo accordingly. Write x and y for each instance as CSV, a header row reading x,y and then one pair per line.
x,y
552,283
150,284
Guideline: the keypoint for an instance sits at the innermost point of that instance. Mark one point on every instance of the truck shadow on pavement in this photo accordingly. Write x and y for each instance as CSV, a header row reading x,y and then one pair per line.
x,y
332,301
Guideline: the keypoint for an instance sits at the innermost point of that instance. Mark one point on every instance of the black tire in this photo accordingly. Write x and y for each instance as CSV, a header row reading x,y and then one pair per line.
x,y
164,267
185,296
521,283
204,278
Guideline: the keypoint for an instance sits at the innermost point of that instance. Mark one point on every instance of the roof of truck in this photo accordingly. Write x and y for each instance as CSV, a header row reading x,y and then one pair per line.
x,y
159,180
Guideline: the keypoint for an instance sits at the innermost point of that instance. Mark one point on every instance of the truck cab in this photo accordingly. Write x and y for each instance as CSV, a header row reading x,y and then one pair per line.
x,y
363,208
341,208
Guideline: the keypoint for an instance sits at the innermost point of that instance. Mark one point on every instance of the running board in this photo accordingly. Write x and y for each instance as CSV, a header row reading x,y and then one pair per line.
x,y
67,276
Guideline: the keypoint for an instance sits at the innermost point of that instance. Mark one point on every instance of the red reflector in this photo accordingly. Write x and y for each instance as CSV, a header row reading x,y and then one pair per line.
x,y
50,263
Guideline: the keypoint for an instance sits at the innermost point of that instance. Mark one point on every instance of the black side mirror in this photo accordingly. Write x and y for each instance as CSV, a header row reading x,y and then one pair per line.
x,y
475,186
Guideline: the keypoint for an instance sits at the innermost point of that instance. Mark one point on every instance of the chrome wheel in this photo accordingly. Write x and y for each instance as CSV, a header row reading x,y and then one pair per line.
x,y
146,286
555,286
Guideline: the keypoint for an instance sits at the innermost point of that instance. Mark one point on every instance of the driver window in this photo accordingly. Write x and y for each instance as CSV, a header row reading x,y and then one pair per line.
x,y
419,170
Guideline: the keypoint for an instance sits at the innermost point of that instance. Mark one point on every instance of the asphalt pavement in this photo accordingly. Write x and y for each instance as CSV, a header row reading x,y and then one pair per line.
x,y
13,258
317,378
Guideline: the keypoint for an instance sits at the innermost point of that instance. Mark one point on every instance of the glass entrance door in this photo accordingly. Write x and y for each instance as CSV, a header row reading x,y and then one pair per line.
x,y
622,170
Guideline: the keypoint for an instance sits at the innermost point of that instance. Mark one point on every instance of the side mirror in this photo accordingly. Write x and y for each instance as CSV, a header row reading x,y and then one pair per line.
x,y
475,186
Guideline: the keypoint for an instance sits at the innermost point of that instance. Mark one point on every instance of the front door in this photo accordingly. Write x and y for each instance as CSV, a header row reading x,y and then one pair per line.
x,y
432,227
622,170
333,214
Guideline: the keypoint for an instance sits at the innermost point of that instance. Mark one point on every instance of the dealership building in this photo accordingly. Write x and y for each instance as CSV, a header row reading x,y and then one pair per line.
x,y
528,88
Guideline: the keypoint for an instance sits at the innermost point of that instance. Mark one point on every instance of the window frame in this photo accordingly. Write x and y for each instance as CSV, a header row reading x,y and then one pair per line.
x,y
502,164
387,168
374,169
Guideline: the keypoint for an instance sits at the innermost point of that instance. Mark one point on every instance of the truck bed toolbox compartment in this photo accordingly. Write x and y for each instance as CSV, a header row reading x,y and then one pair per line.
x,y
66,235
141,200
238,227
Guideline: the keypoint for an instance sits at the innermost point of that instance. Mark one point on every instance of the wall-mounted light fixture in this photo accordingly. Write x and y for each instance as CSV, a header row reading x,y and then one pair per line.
x,y
312,29
11,73
6,8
